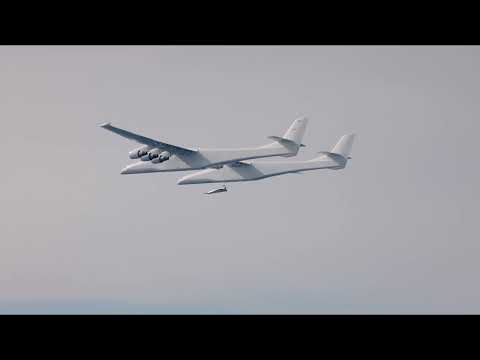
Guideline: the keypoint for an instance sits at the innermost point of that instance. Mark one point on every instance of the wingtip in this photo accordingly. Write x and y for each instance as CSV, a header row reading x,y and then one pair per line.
x,y
105,124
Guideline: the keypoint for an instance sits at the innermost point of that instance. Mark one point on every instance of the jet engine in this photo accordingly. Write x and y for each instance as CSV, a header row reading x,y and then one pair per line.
x,y
152,154
156,156
138,153
163,156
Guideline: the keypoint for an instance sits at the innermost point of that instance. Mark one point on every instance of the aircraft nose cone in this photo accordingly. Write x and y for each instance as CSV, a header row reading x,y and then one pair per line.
x,y
201,177
182,181
186,180
126,170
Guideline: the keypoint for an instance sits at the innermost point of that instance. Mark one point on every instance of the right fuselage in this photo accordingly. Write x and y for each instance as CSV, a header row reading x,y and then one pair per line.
x,y
258,170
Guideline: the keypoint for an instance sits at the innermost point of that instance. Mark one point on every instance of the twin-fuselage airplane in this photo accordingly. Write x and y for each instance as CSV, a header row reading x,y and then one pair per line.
x,y
231,165
256,170
157,156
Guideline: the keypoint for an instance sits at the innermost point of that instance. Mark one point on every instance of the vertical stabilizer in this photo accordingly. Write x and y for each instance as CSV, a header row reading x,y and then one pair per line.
x,y
296,131
344,146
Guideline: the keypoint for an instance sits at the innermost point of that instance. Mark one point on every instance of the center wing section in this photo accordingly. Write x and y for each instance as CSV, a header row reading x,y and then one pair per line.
x,y
238,164
147,141
231,164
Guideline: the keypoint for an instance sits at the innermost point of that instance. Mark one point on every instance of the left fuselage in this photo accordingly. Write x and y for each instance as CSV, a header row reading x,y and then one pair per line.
x,y
205,158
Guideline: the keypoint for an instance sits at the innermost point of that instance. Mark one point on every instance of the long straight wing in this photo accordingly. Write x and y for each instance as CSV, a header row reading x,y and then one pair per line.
x,y
146,141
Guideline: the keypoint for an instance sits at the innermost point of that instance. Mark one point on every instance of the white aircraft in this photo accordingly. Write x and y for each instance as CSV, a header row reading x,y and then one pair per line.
x,y
216,191
157,156
336,159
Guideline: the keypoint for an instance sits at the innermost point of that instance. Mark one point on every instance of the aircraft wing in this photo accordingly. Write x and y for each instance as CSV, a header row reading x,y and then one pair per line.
x,y
146,141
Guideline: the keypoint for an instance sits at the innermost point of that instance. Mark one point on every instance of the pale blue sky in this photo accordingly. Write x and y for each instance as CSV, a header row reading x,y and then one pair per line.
x,y
395,232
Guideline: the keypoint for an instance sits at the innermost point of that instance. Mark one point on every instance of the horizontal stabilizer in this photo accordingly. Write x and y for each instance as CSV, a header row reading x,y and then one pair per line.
x,y
332,154
284,141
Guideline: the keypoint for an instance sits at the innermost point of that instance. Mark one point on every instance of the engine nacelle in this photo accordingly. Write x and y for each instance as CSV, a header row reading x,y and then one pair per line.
x,y
163,156
138,153
152,154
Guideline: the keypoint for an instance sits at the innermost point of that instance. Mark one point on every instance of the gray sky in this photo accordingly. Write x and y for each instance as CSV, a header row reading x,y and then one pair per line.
x,y
395,232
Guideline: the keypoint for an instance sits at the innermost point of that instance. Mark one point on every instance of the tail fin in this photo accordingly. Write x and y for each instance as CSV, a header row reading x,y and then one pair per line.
x,y
296,131
344,146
